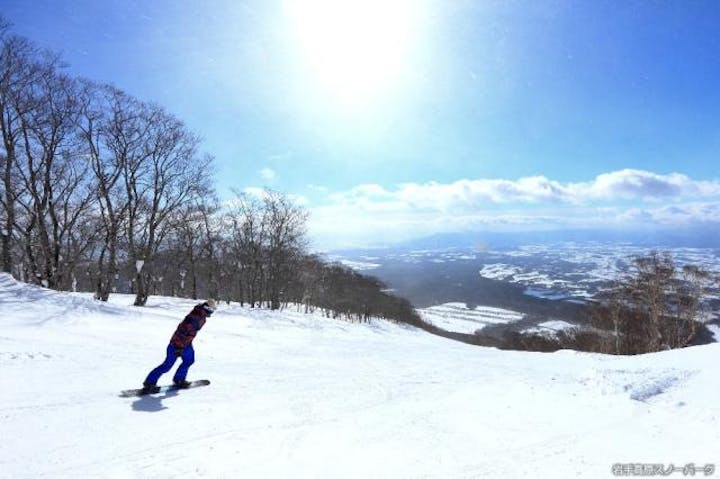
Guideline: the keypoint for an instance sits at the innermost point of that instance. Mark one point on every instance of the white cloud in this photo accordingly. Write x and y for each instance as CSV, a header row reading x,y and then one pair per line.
x,y
617,186
262,193
626,197
645,185
475,193
318,189
268,174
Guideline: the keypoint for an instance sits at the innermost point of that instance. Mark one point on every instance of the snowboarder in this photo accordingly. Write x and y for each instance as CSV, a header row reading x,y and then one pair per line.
x,y
181,346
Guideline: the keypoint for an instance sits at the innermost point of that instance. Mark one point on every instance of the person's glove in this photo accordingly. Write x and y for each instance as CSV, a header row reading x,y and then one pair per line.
x,y
178,352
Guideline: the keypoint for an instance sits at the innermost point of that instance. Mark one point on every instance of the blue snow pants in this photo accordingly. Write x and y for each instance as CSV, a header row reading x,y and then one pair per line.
x,y
188,358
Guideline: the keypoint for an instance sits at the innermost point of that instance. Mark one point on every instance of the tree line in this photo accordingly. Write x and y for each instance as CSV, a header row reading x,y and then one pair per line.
x,y
658,305
104,192
89,173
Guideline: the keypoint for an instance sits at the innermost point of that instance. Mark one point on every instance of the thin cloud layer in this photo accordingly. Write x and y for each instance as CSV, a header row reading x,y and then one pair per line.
x,y
644,185
617,199
623,185
267,174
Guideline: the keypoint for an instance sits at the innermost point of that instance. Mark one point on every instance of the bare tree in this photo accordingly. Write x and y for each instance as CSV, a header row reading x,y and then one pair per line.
x,y
211,231
285,242
168,175
657,307
17,73
188,239
112,132
53,177
246,234
193,244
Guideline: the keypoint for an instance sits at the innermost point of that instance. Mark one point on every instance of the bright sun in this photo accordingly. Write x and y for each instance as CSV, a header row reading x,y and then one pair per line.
x,y
355,49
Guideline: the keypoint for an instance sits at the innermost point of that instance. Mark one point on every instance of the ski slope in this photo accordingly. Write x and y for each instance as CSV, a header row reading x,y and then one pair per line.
x,y
296,395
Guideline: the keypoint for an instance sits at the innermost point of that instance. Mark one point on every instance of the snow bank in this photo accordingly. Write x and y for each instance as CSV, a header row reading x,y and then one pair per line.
x,y
296,395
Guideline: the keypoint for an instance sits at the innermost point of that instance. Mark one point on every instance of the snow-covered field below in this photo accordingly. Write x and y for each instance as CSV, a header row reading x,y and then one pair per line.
x,y
551,327
297,395
458,318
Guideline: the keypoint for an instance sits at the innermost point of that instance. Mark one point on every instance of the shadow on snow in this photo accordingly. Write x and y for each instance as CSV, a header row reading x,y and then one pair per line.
x,y
152,402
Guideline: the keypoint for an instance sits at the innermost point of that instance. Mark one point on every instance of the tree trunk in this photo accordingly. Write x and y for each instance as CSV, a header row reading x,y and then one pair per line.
x,y
10,217
141,286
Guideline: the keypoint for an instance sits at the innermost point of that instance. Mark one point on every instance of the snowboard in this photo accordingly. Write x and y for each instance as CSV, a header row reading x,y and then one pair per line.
x,y
161,389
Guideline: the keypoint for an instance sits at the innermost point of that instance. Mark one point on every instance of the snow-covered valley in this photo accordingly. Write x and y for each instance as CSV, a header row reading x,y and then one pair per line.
x,y
296,395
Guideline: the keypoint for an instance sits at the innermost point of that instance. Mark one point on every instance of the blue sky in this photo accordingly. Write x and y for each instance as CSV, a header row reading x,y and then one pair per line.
x,y
399,118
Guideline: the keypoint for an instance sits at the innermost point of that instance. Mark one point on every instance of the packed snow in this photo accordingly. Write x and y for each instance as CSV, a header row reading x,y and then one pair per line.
x,y
296,395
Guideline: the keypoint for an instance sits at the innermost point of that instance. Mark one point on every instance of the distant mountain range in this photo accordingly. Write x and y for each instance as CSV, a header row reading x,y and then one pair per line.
x,y
707,237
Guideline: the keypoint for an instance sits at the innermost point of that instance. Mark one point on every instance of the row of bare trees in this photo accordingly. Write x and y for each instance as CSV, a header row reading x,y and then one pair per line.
x,y
339,291
86,168
254,251
265,246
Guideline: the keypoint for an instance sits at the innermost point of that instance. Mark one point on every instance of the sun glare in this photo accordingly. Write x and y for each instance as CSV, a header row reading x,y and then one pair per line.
x,y
354,49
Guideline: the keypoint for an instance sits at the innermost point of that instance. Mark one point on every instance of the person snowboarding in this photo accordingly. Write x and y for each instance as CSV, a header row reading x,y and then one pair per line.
x,y
180,346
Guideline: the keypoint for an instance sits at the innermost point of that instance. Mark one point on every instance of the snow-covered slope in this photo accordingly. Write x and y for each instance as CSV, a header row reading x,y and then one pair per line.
x,y
294,395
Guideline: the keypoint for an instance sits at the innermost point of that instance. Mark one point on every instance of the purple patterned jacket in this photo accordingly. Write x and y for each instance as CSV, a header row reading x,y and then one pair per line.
x,y
189,327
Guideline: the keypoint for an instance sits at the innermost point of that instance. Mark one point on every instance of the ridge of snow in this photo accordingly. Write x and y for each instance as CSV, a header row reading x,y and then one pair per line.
x,y
47,305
